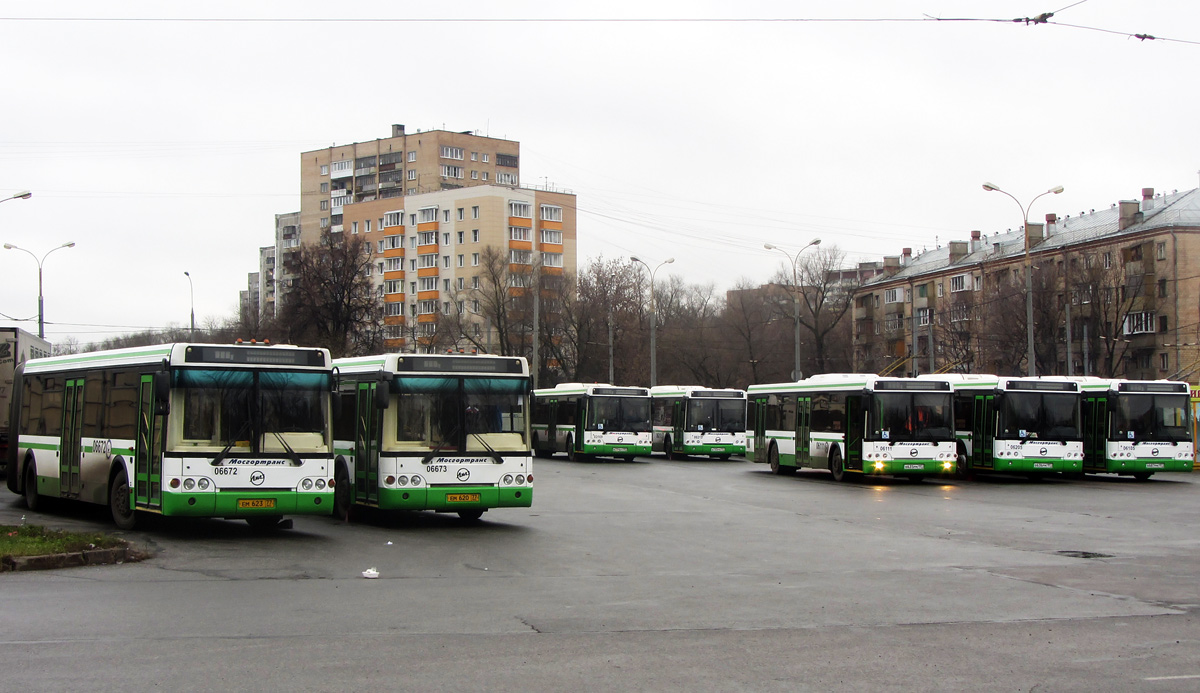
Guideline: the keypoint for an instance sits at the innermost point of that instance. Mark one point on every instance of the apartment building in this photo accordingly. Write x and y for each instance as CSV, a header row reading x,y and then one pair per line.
x,y
1116,292
430,204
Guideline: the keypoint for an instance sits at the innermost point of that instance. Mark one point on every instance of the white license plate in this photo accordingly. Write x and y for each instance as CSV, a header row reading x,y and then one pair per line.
x,y
914,466
718,449
1155,465
1043,465
620,449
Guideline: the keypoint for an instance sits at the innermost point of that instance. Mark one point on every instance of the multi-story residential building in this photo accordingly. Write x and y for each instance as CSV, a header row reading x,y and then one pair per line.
x,y
430,205
1116,292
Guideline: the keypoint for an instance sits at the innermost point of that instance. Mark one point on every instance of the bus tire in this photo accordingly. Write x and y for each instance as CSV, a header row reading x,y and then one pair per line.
x,y
571,449
341,492
32,500
470,515
1143,476
836,468
773,461
123,514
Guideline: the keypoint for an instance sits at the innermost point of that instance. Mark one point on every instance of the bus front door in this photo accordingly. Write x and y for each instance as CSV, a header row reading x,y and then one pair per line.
x,y
147,453
70,444
856,427
983,430
366,444
678,424
803,431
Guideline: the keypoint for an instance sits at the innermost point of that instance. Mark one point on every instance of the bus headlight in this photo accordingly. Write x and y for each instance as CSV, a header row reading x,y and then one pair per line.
x,y
508,479
204,483
306,484
320,484
878,466
416,480
520,480
189,484
947,465
402,480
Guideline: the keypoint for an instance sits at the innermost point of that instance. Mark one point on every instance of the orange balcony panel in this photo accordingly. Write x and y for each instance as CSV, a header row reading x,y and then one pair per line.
x,y
394,252
393,298
427,226
552,225
429,317
520,221
427,249
393,320
520,245
394,274
427,295
516,291
427,272
554,271
552,247
393,344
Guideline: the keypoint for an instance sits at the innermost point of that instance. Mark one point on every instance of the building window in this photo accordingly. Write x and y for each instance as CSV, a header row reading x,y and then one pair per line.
x,y
1139,323
474,156
393,286
552,236
324,205
367,225
460,237
486,157
392,242
505,178
342,168
460,281
354,227
462,260
474,259
960,282
325,172
412,156
959,313
394,308
893,295
452,172
474,175
475,284
923,317
516,208
462,214
445,239
940,290
552,259
446,261
474,235
427,284
1107,260
1163,362
1160,250
520,257
427,238
428,214
1162,323
475,212
426,261
1162,288
325,186
452,153
485,175
893,322
519,233
324,222
394,264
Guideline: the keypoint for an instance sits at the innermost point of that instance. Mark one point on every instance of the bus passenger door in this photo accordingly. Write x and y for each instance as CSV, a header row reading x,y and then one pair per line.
x,y
855,429
366,444
759,429
803,431
147,452
678,412
551,442
983,431
70,447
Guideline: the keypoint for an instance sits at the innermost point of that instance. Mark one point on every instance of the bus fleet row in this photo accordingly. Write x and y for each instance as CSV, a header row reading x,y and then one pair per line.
x,y
257,432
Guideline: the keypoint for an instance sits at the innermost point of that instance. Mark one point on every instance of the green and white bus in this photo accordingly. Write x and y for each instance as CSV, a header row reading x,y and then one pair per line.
x,y
1027,426
448,433
196,430
584,420
1136,427
855,424
698,421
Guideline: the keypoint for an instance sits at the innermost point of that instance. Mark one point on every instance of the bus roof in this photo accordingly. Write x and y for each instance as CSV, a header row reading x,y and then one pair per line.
x,y
696,391
601,389
186,354
852,381
458,364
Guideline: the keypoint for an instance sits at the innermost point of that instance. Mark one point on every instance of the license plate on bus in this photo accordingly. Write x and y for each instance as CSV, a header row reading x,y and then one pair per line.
x,y
620,449
256,503
1043,465
914,466
718,449
1155,465
462,497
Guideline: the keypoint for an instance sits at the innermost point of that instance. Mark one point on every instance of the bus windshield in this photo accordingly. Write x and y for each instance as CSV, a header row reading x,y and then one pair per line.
x,y
1040,415
461,414
623,414
716,415
912,416
255,411
1151,417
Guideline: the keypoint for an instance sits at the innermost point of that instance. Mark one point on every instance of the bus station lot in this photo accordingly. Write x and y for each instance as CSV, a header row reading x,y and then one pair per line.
x,y
648,575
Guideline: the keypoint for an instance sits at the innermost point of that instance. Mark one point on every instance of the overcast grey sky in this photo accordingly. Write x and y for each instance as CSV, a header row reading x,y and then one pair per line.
x,y
167,146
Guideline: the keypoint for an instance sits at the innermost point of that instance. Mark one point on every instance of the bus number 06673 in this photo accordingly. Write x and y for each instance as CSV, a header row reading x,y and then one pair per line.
x,y
437,468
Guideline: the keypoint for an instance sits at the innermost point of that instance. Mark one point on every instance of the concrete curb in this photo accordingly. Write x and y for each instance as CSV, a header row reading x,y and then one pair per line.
x,y
121,554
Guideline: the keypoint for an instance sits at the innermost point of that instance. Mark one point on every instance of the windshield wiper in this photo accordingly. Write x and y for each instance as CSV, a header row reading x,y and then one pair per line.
x,y
292,453
225,451
491,451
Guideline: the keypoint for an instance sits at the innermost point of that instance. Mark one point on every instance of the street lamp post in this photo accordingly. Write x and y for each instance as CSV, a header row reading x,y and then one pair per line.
x,y
1029,352
23,195
192,299
794,259
41,304
653,318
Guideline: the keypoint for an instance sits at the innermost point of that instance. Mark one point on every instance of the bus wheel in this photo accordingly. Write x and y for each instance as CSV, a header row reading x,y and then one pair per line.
x,y
571,449
836,467
32,500
773,461
1142,476
264,522
341,493
123,514
470,515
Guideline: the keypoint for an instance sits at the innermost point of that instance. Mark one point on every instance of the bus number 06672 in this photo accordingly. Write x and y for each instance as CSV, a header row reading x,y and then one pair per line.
x,y
228,471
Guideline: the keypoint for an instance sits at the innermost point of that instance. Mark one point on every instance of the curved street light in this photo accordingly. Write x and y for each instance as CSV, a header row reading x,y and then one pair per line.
x,y
192,299
1031,367
41,305
653,318
794,259
23,195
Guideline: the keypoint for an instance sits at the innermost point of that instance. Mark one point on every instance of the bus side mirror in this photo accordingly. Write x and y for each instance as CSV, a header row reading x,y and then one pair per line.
x,y
336,404
383,395
162,392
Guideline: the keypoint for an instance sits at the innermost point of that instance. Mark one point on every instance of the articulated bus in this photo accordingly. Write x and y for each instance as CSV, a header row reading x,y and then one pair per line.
x,y
1136,427
583,420
1028,426
198,430
855,424
698,421
448,433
